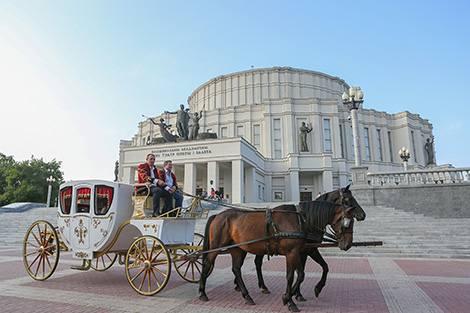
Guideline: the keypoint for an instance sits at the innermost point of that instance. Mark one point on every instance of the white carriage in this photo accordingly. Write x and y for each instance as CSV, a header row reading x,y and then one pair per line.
x,y
101,221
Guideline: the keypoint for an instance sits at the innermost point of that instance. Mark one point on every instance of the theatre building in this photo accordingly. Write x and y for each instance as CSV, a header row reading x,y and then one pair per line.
x,y
250,142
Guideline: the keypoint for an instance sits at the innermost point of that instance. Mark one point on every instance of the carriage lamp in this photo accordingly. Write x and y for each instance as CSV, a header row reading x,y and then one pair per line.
x,y
404,155
50,180
353,104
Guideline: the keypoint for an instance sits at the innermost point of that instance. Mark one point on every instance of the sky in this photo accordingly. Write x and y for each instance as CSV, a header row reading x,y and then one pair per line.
x,y
75,76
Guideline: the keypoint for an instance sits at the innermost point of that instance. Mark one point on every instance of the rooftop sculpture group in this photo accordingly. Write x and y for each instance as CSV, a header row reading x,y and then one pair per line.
x,y
186,131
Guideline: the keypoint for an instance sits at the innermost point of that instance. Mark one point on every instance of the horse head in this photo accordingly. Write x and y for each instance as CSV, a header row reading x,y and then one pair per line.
x,y
345,197
343,226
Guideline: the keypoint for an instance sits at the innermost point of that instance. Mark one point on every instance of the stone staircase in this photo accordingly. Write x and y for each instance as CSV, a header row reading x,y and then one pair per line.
x,y
404,234
13,226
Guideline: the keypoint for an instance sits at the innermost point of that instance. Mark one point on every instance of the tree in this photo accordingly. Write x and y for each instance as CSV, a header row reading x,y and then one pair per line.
x,y
26,180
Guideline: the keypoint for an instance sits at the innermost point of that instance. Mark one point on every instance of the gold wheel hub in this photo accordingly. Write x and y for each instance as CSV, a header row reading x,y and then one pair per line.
x,y
41,249
147,264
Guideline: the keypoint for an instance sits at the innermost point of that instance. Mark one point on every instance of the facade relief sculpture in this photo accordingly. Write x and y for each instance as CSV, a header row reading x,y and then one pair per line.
x,y
429,148
304,130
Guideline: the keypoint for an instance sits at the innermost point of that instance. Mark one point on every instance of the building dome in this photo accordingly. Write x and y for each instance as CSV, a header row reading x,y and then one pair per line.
x,y
259,85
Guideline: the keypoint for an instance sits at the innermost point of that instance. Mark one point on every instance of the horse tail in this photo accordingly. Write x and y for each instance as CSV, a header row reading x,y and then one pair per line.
x,y
206,243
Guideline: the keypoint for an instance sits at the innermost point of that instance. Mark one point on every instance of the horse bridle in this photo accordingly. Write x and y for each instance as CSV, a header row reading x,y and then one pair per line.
x,y
345,222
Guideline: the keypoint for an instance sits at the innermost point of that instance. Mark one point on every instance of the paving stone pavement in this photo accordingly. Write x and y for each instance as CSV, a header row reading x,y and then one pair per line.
x,y
355,284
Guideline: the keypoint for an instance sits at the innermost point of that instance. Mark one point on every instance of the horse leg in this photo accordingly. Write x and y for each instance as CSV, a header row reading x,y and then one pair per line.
x,y
316,256
293,263
206,266
238,256
303,260
259,263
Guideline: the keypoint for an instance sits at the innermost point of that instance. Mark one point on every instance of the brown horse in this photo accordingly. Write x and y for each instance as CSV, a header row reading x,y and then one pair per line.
x,y
343,196
237,226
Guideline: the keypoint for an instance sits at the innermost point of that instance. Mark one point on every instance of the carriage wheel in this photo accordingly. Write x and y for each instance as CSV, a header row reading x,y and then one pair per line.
x,y
41,249
103,262
148,265
191,270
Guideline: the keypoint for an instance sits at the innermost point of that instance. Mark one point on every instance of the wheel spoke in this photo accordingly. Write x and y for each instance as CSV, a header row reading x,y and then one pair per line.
x,y
156,280
153,259
197,267
182,263
50,254
29,243
39,265
31,253
39,243
34,261
137,274
186,272
109,257
102,259
48,263
150,280
160,271
143,279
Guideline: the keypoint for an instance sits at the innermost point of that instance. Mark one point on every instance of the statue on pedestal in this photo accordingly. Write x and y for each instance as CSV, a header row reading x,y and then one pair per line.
x,y
182,120
195,127
304,130
116,170
429,148
164,130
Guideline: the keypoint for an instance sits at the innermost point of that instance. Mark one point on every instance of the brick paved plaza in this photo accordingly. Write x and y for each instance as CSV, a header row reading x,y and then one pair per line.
x,y
373,284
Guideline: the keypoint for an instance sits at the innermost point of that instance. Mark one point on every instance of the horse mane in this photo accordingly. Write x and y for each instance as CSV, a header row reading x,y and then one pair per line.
x,y
318,213
326,196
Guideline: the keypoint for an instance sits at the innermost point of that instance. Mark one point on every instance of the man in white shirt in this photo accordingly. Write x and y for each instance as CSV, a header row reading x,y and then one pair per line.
x,y
169,178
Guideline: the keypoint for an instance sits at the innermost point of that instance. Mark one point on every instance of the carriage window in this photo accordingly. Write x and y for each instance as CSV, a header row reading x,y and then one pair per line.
x,y
83,200
103,199
66,200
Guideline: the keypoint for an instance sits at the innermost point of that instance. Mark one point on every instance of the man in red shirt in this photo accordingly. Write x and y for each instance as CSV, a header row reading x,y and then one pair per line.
x,y
169,178
148,173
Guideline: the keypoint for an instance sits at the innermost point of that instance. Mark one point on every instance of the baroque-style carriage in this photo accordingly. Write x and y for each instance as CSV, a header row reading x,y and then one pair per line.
x,y
102,221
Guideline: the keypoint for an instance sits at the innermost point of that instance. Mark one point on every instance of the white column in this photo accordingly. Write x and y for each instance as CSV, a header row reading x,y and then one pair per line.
x,y
355,126
237,181
228,184
294,186
190,178
327,178
212,174
251,189
128,175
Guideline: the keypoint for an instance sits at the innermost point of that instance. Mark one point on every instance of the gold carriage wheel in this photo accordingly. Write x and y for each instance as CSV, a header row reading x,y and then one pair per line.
x,y
103,262
191,270
148,265
41,249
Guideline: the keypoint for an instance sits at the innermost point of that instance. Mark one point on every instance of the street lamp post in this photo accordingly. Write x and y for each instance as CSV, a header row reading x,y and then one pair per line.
x,y
50,180
405,156
353,107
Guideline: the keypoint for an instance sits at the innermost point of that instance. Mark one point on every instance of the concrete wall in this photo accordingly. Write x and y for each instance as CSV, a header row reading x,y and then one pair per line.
x,y
442,201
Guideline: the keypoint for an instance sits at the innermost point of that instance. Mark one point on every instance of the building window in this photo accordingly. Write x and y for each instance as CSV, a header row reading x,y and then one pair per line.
x,y
224,132
414,146
257,136
341,140
326,127
379,145
352,143
277,139
366,137
390,145
240,131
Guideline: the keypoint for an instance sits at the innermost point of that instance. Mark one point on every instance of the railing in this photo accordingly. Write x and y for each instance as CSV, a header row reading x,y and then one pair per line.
x,y
420,177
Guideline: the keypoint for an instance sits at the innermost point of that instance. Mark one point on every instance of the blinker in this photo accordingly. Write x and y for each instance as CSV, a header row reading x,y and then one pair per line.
x,y
345,223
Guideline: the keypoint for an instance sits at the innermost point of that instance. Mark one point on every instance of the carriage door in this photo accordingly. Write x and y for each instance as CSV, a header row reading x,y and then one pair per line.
x,y
80,224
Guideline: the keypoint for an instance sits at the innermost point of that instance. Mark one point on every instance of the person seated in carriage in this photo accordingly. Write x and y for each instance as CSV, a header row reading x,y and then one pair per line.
x,y
148,172
169,178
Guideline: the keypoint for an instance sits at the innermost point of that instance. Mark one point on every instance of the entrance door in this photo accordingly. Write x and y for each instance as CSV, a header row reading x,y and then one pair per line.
x,y
305,196
80,224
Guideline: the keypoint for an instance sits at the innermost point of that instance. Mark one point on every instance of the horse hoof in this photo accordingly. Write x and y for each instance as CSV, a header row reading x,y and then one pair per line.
x,y
293,308
300,298
265,291
317,291
203,298
249,302
284,299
